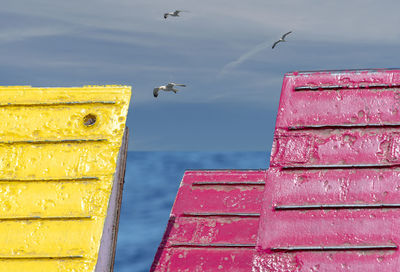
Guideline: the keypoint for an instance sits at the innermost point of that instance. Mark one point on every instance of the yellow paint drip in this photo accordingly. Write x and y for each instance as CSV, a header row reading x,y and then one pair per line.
x,y
56,173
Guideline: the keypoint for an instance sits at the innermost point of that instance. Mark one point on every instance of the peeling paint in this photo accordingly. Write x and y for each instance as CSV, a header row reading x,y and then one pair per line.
x,y
56,174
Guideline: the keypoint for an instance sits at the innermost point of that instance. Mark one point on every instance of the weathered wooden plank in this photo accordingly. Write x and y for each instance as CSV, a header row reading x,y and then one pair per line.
x,y
60,123
195,176
206,259
239,199
345,147
54,264
27,95
108,244
40,238
370,261
330,228
337,106
219,196
213,230
57,161
343,186
50,198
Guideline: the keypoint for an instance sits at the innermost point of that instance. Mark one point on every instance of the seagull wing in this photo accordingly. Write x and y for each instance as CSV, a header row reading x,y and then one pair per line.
x,y
171,84
165,15
275,43
284,35
176,12
155,92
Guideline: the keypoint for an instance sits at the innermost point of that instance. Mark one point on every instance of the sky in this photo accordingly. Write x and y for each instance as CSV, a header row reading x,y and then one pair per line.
x,y
220,49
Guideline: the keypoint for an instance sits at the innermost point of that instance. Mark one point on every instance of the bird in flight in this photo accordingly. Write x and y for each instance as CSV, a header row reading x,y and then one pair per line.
x,y
282,39
167,88
174,14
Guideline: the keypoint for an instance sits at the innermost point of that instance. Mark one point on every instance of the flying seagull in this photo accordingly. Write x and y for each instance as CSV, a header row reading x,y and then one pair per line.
x,y
167,88
282,39
174,14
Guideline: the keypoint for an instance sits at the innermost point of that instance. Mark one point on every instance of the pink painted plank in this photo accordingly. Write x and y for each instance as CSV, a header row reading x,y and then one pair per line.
x,y
192,176
345,186
327,261
329,228
347,106
210,260
346,147
223,198
208,230
352,78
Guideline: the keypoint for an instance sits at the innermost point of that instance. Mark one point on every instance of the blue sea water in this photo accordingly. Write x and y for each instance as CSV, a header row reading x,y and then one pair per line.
x,y
151,183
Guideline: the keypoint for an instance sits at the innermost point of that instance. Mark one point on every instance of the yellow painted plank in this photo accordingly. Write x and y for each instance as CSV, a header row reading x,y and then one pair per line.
x,y
33,95
52,199
45,265
26,123
48,238
57,160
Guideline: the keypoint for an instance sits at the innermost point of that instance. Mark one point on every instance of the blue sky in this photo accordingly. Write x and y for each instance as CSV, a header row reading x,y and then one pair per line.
x,y
220,49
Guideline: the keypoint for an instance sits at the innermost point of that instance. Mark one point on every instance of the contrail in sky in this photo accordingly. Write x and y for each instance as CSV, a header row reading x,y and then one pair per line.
x,y
243,58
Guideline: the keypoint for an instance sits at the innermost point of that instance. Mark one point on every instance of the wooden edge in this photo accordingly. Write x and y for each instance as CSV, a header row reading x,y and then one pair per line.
x,y
108,244
163,244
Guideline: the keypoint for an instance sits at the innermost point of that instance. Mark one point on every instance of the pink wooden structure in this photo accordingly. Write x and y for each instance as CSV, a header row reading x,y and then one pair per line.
x,y
214,222
330,200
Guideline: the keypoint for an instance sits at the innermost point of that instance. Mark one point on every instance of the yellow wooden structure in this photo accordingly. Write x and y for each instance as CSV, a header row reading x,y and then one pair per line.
x,y
58,156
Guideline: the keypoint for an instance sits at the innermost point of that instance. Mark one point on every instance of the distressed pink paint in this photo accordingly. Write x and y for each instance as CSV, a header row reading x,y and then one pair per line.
x,y
372,146
336,142
275,262
332,187
326,262
213,209
346,106
215,198
210,260
214,230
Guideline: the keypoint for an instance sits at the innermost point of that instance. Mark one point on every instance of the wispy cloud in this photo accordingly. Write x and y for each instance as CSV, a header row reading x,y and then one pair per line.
x,y
13,35
233,64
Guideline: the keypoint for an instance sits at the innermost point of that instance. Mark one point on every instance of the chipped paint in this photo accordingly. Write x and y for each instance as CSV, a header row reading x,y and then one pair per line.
x,y
213,224
331,200
56,174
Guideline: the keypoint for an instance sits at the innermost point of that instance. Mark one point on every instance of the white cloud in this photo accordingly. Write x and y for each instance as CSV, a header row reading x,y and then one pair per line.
x,y
344,20
20,34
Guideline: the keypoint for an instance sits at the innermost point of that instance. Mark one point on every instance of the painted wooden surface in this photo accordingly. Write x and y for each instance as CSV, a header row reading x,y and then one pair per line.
x,y
213,223
332,201
56,174
108,243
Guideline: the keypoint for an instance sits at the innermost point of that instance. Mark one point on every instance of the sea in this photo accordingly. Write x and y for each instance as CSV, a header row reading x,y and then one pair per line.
x,y
151,183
